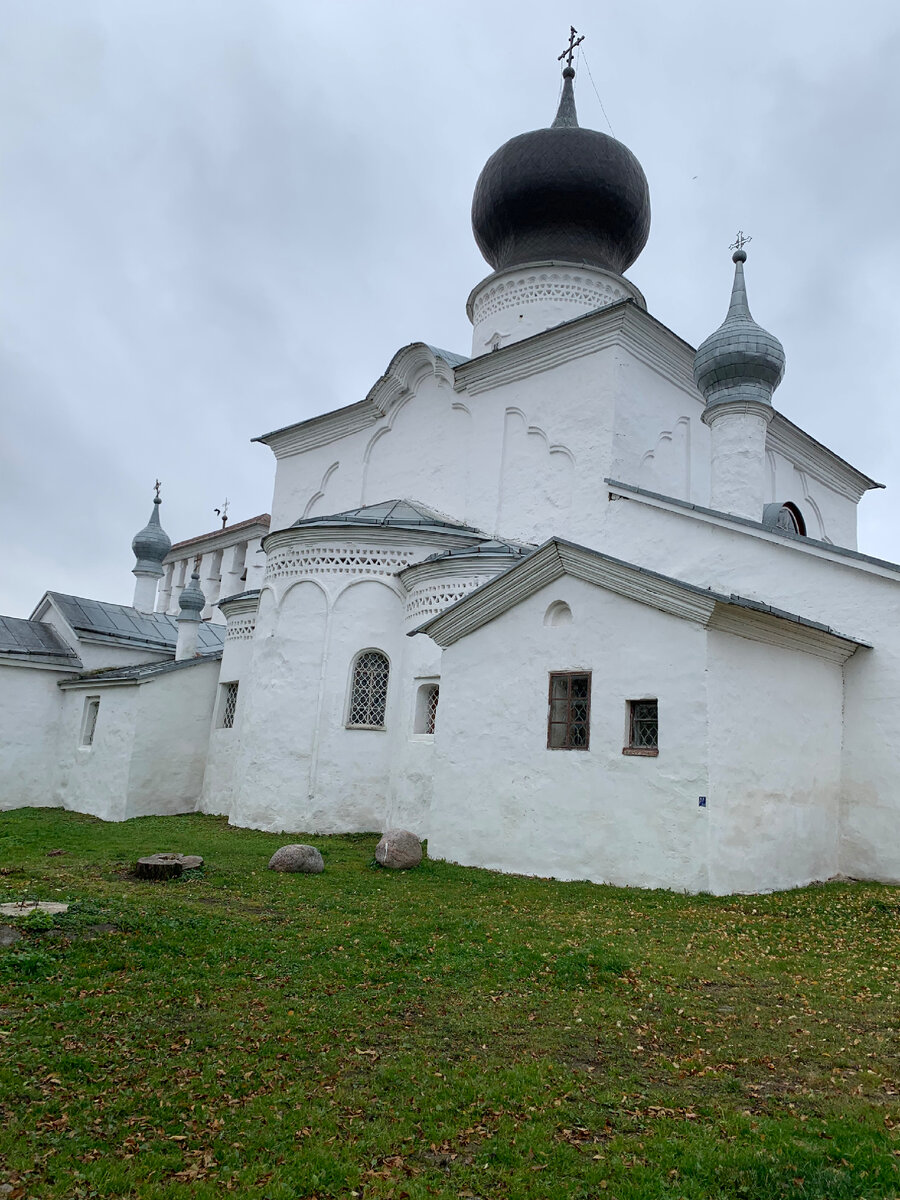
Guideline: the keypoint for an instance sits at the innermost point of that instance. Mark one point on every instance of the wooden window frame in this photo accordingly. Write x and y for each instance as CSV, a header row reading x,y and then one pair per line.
x,y
633,749
568,723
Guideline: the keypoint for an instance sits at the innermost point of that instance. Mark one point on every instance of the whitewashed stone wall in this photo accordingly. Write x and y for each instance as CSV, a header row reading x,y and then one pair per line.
x,y
503,800
519,450
30,710
851,596
149,746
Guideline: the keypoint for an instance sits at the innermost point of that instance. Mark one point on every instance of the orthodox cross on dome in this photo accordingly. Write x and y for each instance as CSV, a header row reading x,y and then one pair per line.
x,y
156,488
223,512
740,241
569,53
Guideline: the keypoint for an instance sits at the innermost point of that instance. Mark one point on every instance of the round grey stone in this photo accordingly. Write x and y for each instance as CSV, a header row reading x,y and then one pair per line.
x,y
305,859
398,849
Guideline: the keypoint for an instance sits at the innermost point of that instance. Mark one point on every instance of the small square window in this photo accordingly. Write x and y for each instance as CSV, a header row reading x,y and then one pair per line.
x,y
89,720
229,705
643,728
569,711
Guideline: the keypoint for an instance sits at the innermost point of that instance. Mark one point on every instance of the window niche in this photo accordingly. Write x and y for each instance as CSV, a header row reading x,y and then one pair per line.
x,y
642,731
569,711
558,613
89,720
427,696
367,704
228,704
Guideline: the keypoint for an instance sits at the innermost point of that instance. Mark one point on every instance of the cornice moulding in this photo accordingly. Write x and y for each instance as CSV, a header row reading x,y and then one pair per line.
x,y
790,541
686,601
458,567
623,324
800,448
377,535
223,539
407,366
233,606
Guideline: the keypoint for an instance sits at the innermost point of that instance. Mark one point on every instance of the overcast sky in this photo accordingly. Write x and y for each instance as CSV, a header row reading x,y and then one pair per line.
x,y
219,217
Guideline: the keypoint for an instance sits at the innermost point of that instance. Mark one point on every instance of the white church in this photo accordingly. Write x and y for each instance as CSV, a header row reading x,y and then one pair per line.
x,y
582,604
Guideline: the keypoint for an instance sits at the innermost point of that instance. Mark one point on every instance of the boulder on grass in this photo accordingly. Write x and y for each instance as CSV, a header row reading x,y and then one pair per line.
x,y
304,859
398,849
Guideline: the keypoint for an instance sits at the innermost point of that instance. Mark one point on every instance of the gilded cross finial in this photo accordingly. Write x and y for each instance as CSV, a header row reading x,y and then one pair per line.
x,y
222,512
740,241
569,53
156,488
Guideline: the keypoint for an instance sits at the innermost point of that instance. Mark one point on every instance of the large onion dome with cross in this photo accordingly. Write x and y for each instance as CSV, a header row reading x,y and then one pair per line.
x,y
562,196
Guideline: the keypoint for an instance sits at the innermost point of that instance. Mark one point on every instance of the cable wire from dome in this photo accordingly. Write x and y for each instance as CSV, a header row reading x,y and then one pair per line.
x,y
581,54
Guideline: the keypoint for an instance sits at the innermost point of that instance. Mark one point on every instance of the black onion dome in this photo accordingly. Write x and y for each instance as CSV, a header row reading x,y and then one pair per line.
x,y
565,194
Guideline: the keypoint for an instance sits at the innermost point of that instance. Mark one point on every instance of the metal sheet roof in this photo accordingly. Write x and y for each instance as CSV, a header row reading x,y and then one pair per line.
x,y
33,639
407,514
97,618
137,672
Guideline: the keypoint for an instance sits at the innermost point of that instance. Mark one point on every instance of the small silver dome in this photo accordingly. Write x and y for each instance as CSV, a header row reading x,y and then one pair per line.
x,y
191,602
741,360
152,544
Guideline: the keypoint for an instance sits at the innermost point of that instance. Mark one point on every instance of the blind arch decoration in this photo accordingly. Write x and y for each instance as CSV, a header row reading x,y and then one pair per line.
x,y
368,691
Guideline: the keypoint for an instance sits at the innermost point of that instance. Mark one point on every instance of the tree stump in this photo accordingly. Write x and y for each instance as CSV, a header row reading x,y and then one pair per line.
x,y
159,866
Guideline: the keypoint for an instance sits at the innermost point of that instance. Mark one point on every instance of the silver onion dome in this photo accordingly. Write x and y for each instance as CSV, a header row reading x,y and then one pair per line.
x,y
152,544
191,602
741,360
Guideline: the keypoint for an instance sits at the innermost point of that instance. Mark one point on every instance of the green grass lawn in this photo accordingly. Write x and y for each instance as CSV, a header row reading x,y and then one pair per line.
x,y
443,1032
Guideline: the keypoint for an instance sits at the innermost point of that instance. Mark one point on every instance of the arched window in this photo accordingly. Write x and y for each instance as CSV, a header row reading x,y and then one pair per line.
x,y
368,691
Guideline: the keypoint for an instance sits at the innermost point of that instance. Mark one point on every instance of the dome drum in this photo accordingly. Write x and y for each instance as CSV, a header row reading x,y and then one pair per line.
x,y
514,304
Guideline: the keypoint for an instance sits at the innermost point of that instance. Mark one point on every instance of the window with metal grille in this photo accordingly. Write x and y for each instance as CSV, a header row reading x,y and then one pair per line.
x,y
229,704
569,717
89,721
643,727
368,691
426,708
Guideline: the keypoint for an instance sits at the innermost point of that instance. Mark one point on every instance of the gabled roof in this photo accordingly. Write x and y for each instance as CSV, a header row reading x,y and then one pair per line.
x,y
36,642
399,514
714,610
96,620
404,368
136,673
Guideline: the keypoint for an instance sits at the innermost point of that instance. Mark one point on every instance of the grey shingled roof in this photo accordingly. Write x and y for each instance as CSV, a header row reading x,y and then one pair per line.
x,y
120,622
33,639
405,514
137,672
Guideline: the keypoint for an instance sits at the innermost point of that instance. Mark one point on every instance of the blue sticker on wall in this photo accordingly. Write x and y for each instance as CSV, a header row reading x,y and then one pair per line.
x,y
701,801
